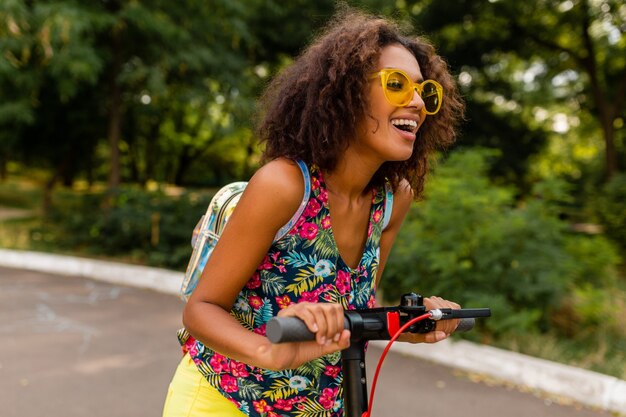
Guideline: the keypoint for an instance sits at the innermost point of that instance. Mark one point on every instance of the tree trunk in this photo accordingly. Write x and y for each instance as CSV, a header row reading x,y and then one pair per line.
x,y
610,151
605,110
184,160
3,169
47,194
152,149
115,111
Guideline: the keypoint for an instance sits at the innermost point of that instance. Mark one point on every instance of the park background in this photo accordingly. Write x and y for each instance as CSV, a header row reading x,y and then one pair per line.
x,y
119,120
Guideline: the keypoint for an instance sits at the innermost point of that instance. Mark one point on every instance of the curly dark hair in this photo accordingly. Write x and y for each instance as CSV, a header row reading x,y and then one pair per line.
x,y
314,105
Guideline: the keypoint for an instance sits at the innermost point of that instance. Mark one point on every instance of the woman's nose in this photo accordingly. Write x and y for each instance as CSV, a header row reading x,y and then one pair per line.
x,y
416,100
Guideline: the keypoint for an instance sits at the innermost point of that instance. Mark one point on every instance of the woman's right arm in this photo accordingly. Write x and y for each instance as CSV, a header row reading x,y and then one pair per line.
x,y
268,202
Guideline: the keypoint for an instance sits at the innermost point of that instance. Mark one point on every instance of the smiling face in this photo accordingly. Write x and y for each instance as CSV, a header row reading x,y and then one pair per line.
x,y
390,131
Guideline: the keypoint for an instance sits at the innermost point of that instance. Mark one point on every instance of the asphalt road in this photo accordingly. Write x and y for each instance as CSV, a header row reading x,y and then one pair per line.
x,y
73,347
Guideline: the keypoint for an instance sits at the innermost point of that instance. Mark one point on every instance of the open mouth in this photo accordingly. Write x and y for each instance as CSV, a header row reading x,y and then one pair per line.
x,y
405,125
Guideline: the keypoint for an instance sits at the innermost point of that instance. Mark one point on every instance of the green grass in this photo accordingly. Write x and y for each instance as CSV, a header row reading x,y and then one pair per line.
x,y
602,353
20,194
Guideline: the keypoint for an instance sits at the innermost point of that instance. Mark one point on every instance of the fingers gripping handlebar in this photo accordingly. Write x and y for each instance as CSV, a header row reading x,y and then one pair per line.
x,y
377,323
382,323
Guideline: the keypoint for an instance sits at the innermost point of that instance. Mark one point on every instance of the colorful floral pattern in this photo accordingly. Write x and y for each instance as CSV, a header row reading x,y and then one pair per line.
x,y
304,265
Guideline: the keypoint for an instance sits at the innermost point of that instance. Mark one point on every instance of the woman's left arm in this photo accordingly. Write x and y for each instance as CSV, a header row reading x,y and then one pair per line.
x,y
402,199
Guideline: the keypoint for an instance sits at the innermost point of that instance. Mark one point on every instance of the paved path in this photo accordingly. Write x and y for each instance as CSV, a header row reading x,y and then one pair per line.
x,y
73,347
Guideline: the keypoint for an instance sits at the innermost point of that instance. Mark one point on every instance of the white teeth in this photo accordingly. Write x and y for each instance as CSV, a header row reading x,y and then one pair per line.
x,y
411,124
407,122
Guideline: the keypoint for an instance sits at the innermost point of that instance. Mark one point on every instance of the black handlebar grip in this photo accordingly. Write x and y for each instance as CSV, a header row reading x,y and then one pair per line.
x,y
287,329
468,313
465,325
292,329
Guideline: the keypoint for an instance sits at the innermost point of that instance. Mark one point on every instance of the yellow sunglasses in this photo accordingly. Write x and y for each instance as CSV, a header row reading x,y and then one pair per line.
x,y
399,89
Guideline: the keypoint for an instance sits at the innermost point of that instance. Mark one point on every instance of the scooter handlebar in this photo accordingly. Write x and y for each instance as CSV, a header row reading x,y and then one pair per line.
x,y
292,329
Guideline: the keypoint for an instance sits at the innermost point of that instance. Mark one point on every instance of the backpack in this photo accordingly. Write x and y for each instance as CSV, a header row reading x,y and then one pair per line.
x,y
210,226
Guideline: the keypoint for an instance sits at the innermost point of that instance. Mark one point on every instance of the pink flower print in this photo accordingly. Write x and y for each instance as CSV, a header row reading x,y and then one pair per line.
x,y
371,303
327,400
283,302
238,369
378,214
281,268
323,196
260,330
332,371
310,297
219,363
266,264
294,230
262,406
370,229
326,222
254,282
232,400
300,222
193,350
318,291
312,208
255,302
285,405
343,282
229,383
308,231
315,183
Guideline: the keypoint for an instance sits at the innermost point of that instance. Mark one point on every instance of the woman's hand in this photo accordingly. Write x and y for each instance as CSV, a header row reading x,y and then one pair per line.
x,y
444,327
326,320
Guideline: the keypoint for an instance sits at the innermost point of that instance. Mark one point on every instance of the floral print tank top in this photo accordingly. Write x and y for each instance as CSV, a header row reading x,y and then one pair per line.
x,y
304,265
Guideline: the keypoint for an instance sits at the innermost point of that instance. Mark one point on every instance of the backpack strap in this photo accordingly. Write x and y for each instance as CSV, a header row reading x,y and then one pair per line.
x,y
305,199
388,204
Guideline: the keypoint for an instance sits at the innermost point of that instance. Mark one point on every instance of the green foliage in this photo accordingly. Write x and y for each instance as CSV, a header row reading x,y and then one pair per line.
x,y
528,65
609,206
470,241
141,226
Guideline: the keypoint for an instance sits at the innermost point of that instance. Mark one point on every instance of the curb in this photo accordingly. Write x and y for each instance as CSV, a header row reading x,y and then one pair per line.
x,y
586,387
161,280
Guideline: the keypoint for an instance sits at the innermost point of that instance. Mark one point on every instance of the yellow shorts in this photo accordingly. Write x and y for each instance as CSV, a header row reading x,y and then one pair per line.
x,y
190,395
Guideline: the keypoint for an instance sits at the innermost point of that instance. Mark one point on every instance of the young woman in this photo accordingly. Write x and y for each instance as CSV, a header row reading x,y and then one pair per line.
x,y
363,107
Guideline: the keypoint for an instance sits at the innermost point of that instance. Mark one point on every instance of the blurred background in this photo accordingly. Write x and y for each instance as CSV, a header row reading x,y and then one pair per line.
x,y
120,118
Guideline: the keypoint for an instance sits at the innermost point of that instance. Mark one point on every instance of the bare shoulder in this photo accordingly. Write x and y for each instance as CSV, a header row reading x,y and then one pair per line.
x,y
277,188
281,176
279,172
402,199
404,194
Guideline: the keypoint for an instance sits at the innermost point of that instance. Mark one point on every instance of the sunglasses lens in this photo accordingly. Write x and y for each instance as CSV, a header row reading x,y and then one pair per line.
x,y
430,97
398,89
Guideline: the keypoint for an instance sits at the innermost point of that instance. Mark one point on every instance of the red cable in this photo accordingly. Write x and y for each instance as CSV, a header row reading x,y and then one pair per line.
x,y
382,358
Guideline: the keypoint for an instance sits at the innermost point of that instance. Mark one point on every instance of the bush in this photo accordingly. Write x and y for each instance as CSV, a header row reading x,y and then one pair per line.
x,y
147,227
469,241
609,207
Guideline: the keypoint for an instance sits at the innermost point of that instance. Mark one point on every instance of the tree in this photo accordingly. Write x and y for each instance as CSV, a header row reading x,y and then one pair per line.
x,y
47,65
571,52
